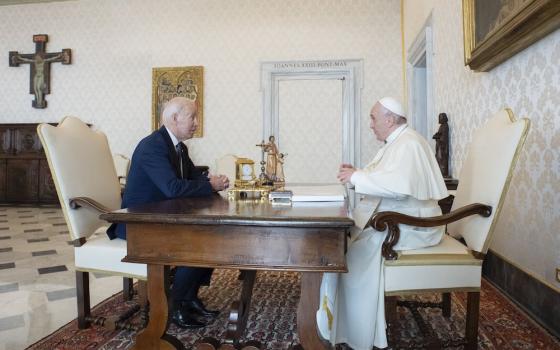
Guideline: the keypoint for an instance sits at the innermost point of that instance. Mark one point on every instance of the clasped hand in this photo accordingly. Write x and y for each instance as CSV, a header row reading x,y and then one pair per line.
x,y
345,173
218,182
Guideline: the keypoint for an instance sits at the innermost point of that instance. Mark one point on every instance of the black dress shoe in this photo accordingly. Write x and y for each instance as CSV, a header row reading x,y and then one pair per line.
x,y
185,320
197,307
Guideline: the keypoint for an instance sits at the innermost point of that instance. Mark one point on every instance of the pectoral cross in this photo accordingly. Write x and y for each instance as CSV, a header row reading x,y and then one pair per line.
x,y
40,65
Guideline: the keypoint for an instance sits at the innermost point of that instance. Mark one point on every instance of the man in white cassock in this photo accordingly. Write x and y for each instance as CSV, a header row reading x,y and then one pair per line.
x,y
404,177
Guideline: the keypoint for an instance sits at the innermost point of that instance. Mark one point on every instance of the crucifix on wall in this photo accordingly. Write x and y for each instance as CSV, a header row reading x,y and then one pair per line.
x,y
40,65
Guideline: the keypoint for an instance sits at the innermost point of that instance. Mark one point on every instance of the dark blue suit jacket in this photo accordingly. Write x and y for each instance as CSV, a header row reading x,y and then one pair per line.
x,y
155,175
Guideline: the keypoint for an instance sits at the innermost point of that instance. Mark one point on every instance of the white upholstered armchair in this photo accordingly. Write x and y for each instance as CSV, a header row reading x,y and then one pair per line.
x,y
456,263
86,182
122,165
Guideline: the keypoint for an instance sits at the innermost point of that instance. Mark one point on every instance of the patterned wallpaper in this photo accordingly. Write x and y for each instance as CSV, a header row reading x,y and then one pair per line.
x,y
315,124
528,83
115,44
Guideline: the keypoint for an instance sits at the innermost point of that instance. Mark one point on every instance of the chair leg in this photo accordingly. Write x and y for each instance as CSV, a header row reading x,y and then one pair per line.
x,y
82,293
128,289
446,304
471,331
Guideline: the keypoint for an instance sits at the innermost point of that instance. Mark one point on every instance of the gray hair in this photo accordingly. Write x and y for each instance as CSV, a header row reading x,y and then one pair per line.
x,y
175,105
398,119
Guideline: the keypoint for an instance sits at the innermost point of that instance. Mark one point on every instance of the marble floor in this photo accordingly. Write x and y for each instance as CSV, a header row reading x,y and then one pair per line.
x,y
37,276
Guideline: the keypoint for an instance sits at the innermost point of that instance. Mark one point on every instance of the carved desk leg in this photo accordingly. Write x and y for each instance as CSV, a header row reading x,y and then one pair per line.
x,y
240,309
237,321
154,336
309,338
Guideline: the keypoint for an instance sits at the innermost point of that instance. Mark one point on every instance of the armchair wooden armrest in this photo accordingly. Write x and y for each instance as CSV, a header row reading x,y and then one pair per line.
x,y
390,219
78,202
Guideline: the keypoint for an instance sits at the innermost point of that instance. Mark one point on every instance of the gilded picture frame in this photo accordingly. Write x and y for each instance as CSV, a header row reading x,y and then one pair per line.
x,y
169,82
495,30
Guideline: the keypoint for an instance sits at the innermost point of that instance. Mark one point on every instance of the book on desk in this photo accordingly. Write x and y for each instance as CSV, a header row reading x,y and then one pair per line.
x,y
315,193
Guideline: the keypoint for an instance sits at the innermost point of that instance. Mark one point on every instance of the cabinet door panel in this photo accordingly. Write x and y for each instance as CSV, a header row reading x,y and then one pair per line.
x,y
5,141
26,141
2,180
22,180
47,190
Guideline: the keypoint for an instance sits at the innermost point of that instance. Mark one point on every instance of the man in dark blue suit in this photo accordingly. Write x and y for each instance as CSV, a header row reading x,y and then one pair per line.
x,y
162,169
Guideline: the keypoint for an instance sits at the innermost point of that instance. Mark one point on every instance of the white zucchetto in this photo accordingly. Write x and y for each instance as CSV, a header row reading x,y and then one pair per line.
x,y
392,105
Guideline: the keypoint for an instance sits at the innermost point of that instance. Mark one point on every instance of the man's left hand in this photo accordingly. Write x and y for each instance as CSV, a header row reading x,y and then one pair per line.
x,y
218,182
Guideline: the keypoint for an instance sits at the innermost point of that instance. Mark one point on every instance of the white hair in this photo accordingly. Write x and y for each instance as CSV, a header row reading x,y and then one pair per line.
x,y
398,119
175,105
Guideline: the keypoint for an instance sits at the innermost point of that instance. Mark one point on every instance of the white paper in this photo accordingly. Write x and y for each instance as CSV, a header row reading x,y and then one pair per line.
x,y
319,193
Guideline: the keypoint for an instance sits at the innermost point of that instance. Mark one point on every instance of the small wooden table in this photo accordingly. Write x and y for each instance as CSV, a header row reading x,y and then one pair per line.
x,y
248,235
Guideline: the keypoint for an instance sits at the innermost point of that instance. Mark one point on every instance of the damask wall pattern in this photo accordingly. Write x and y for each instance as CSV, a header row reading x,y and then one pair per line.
x,y
315,122
528,233
115,44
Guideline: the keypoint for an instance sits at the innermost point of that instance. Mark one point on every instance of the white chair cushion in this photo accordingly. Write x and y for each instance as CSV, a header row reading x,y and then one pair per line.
x,y
446,266
423,278
100,254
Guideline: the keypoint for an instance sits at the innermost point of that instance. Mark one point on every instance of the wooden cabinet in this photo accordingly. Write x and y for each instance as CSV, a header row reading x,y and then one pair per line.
x,y
47,191
2,180
24,172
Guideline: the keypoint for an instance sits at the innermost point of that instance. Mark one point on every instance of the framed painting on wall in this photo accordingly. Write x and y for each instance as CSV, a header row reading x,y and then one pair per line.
x,y
177,81
495,30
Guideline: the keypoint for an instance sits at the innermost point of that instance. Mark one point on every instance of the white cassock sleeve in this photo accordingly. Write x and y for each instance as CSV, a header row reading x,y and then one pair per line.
x,y
365,184
405,167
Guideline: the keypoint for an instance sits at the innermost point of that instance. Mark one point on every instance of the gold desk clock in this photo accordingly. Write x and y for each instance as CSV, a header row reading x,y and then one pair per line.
x,y
244,172
246,184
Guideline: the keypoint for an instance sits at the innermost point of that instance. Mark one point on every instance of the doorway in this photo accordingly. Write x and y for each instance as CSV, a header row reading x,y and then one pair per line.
x,y
312,109
420,90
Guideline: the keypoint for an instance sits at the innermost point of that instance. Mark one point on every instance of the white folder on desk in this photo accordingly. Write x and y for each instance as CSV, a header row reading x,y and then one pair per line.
x,y
318,193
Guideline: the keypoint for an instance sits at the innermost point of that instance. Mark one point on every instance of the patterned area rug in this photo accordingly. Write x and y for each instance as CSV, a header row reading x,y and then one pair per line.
x,y
272,319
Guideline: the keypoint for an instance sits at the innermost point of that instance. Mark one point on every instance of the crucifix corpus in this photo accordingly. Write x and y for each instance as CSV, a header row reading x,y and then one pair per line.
x,y
40,65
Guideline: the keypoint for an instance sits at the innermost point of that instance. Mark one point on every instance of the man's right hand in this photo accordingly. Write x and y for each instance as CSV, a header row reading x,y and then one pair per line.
x,y
218,182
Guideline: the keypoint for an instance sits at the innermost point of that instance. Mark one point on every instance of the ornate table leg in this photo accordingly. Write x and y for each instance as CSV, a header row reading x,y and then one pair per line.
x,y
240,309
154,336
308,305
237,321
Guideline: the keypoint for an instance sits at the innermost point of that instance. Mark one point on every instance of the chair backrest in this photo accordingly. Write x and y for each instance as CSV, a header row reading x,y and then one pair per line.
x,y
226,166
486,175
81,165
122,165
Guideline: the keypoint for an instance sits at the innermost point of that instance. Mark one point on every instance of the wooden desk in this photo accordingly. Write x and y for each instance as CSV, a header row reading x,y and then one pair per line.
x,y
252,235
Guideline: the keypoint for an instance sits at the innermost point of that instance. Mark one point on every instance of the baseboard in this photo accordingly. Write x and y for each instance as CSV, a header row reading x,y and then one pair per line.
x,y
533,296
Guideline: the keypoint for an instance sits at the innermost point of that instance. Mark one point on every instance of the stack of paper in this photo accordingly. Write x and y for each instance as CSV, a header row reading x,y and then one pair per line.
x,y
319,193
280,197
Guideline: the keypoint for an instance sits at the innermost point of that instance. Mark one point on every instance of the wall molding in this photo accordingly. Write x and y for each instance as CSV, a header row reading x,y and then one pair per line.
x,y
422,49
349,71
